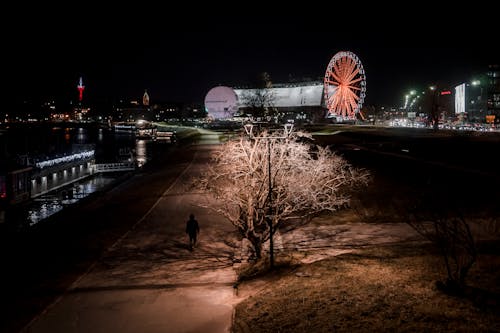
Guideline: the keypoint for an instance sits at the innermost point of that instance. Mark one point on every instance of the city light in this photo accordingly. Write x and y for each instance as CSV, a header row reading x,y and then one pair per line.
x,y
65,159
80,88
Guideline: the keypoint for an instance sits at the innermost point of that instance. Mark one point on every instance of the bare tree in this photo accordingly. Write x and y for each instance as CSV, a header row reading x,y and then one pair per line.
x,y
306,180
451,233
260,101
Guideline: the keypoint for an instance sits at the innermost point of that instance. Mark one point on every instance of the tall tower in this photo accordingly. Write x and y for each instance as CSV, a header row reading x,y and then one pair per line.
x,y
80,88
145,98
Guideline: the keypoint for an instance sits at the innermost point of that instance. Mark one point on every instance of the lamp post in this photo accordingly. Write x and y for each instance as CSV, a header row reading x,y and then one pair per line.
x,y
288,128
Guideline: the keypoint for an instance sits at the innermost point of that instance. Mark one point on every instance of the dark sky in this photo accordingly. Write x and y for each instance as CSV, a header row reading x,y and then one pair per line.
x,y
121,55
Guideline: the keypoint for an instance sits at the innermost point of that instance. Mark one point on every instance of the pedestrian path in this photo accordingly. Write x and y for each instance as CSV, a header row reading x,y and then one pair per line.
x,y
149,281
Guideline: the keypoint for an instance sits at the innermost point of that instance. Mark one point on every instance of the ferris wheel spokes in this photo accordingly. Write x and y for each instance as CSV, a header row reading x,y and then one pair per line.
x,y
344,85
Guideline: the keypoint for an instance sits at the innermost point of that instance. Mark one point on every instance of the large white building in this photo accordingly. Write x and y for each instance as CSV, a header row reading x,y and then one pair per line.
x,y
221,102
286,96
303,97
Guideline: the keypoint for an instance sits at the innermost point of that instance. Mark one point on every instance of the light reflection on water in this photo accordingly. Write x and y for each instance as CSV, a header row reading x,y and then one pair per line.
x,y
109,146
140,152
44,210
49,204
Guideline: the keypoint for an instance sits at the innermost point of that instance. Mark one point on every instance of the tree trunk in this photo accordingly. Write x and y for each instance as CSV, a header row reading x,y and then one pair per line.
x,y
257,247
256,243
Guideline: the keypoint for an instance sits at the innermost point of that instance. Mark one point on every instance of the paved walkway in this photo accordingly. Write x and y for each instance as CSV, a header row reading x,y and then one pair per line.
x,y
149,281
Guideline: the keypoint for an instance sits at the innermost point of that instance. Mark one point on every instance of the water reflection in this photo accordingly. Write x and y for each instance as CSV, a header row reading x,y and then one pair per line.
x,y
100,135
49,142
53,202
49,204
45,209
81,135
140,152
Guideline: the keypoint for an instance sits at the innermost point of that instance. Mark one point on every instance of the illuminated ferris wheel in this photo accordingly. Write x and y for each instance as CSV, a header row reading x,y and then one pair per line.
x,y
344,86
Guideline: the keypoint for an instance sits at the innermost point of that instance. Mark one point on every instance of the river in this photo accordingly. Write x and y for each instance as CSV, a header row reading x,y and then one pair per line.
x,y
31,143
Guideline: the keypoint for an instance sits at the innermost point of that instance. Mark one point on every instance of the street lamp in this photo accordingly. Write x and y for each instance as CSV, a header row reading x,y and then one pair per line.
x,y
288,128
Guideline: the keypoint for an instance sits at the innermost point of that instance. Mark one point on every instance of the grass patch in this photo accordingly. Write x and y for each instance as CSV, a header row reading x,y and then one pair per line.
x,y
261,268
389,288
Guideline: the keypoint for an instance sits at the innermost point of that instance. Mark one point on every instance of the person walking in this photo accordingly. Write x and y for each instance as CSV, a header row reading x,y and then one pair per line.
x,y
192,229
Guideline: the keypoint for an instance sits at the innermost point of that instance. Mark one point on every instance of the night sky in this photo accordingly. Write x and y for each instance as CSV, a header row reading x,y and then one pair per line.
x,y
119,56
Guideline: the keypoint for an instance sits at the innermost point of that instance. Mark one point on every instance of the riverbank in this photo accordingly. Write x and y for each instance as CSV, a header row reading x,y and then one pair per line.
x,y
40,263
149,280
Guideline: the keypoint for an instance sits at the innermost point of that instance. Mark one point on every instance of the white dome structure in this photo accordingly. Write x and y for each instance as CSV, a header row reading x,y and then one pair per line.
x,y
221,102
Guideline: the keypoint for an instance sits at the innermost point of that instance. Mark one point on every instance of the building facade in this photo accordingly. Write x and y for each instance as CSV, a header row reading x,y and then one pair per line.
x,y
299,101
493,97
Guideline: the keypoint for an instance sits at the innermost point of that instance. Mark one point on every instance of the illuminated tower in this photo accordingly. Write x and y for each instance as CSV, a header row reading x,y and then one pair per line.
x,y
145,98
80,87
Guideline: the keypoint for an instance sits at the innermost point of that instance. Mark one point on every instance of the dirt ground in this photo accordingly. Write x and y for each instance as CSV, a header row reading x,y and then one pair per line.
x,y
379,284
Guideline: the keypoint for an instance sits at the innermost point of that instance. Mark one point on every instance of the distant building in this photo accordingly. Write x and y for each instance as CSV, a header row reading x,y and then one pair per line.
x,y
145,98
493,88
476,100
15,179
298,101
167,111
80,88
132,112
479,99
286,96
221,102
447,105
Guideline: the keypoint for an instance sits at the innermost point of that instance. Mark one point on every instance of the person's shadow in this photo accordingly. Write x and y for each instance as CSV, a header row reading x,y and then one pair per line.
x,y
181,245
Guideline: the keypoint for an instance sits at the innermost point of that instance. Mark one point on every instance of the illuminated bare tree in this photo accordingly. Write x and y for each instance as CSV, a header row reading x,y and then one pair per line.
x,y
306,180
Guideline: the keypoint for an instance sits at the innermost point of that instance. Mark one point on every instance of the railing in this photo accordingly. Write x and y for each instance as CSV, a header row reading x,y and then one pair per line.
x,y
114,167
165,136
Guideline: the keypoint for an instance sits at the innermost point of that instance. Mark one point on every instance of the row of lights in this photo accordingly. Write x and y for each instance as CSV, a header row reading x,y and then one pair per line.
x,y
65,159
